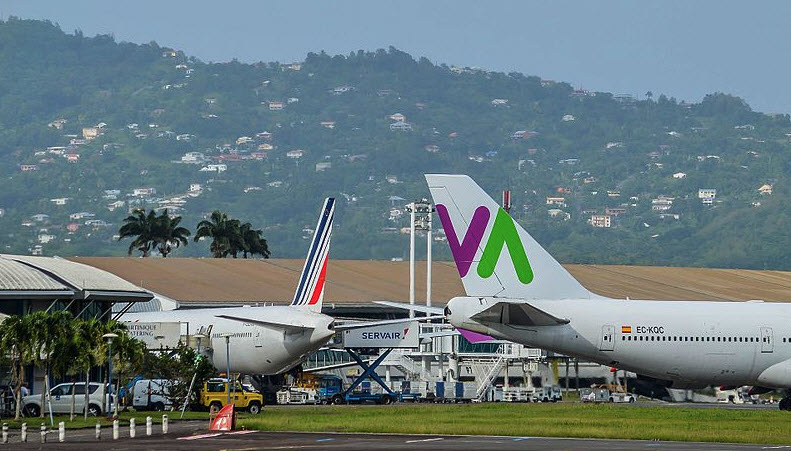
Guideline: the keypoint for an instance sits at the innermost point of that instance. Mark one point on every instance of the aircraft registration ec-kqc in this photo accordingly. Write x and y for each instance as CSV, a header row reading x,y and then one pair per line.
x,y
270,340
516,291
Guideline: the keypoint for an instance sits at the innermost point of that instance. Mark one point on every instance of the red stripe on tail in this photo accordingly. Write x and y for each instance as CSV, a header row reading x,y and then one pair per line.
x,y
319,284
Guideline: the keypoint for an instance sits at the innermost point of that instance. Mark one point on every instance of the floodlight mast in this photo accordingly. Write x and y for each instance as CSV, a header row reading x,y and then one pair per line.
x,y
419,219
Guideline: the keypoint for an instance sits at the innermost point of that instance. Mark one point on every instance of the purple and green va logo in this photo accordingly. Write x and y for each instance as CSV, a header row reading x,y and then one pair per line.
x,y
503,234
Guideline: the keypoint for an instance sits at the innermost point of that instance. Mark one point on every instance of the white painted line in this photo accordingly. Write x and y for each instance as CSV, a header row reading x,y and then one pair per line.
x,y
198,437
425,440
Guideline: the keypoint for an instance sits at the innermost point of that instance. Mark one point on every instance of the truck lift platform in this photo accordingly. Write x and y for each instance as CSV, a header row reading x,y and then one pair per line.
x,y
369,371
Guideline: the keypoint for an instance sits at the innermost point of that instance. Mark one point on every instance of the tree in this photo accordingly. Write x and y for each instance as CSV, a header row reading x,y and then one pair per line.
x,y
222,230
167,232
253,241
49,331
17,341
141,226
88,336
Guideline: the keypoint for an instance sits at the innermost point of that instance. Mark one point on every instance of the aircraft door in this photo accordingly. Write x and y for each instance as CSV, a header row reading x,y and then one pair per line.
x,y
767,340
607,338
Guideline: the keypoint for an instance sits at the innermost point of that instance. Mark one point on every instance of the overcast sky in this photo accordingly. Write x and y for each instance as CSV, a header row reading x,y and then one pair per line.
x,y
684,49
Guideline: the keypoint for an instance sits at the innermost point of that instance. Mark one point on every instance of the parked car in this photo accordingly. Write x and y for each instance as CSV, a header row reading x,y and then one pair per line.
x,y
61,399
214,396
151,394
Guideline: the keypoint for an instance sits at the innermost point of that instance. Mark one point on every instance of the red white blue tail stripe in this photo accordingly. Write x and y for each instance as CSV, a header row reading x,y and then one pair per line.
x,y
310,290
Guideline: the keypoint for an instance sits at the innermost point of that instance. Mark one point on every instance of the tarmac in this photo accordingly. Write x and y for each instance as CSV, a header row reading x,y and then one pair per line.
x,y
193,436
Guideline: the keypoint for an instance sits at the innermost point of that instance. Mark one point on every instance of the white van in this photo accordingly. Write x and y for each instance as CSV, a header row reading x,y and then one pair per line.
x,y
151,394
61,398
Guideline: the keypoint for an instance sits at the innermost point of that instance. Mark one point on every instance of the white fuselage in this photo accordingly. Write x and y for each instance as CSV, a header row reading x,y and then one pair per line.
x,y
691,343
254,348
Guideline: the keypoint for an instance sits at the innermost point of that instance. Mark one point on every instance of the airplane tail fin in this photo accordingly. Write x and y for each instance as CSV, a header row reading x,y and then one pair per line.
x,y
310,289
495,256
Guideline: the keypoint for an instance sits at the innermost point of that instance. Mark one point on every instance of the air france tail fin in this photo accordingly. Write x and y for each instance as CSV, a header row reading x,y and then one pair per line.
x,y
495,256
310,289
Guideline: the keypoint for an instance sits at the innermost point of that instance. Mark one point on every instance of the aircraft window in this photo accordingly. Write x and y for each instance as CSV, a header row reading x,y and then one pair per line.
x,y
784,339
708,338
686,338
697,338
740,339
652,338
664,338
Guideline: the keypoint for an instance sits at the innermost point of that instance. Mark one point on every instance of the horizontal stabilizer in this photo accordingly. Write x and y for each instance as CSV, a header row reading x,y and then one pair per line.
x,y
417,308
517,314
289,326
364,325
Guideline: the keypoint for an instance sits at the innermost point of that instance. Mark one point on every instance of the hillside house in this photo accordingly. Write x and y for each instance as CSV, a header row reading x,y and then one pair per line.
x,y
558,213
193,158
291,100
398,117
589,180
328,124
523,134
662,203
342,90
258,156
57,124
89,133
73,227
264,135
28,167
275,184
765,189
60,200
679,175
613,145
40,217
243,140
569,161
432,148
249,189
614,193
559,201
72,157
81,215
497,102
707,195
675,216
296,153
221,167
56,150
614,211
400,126
45,238
195,187
323,166
265,147
115,205
601,221
293,66
141,192
568,118
276,106
392,179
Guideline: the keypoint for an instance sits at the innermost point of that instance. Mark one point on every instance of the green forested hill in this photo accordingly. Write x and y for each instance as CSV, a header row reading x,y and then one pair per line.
x,y
84,121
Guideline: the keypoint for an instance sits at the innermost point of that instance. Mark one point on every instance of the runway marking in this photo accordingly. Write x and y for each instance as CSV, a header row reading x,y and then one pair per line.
x,y
198,437
519,439
325,439
776,447
425,440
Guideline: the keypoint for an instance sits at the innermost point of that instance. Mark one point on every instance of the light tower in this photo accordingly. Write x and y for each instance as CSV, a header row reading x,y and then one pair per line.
x,y
419,219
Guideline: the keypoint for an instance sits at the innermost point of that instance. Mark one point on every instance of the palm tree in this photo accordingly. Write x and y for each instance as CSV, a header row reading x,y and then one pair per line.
x,y
167,232
16,340
222,230
253,241
49,331
89,339
141,226
128,356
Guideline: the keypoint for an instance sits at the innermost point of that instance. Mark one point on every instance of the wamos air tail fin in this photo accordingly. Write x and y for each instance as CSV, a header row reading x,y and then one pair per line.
x,y
310,289
495,256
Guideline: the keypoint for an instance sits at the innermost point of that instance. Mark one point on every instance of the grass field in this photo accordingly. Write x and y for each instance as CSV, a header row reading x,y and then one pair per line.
x,y
545,420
